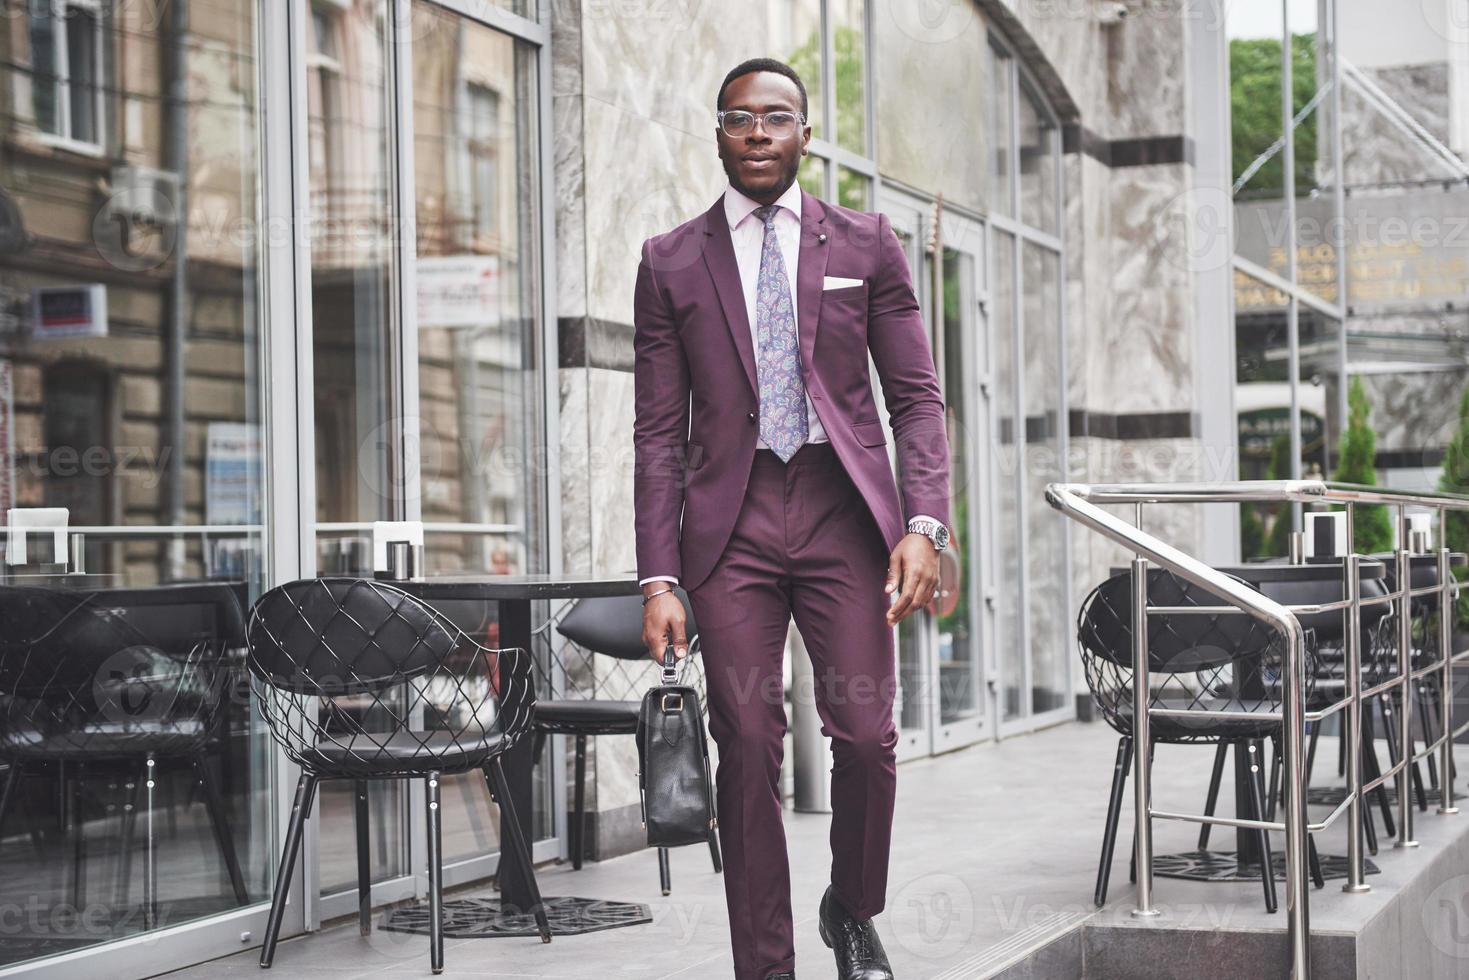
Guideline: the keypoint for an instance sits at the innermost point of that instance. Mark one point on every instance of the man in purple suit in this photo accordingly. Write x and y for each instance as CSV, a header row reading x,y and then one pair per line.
x,y
762,485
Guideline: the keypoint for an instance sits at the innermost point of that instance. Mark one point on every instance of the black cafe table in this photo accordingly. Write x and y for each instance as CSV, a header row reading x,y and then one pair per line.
x,y
463,600
1315,582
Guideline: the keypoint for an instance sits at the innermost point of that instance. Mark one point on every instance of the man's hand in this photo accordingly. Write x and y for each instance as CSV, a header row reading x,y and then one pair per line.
x,y
913,572
663,617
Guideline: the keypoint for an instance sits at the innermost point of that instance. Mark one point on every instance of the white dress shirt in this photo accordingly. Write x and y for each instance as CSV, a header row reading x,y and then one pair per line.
x,y
747,234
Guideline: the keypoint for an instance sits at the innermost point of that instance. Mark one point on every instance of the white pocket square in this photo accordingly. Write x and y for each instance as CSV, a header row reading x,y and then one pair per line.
x,y
839,282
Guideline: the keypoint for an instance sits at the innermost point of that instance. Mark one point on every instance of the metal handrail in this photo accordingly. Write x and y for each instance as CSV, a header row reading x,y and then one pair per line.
x,y
1083,503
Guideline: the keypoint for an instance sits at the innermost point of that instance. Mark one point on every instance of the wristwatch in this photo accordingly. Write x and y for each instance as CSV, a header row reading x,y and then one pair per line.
x,y
932,530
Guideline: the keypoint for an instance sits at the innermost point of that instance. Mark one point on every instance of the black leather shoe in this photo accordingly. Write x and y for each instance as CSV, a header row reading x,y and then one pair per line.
x,y
859,952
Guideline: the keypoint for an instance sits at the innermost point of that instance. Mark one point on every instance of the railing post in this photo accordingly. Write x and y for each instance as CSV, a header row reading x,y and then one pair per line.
x,y
1352,723
1142,756
1405,675
1293,730
1446,612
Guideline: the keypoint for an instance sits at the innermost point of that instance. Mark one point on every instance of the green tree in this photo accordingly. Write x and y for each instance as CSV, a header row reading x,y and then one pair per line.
x,y
1357,455
1455,479
1255,124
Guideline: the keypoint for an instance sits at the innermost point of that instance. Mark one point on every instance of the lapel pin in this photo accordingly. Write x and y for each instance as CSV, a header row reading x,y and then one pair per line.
x,y
821,238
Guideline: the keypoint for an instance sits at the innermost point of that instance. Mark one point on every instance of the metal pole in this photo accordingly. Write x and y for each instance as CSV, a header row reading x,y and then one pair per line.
x,y
1142,738
1352,724
1294,729
1405,671
1446,606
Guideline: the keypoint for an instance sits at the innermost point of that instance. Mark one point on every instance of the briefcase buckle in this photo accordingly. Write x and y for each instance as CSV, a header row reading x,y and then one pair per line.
x,y
672,702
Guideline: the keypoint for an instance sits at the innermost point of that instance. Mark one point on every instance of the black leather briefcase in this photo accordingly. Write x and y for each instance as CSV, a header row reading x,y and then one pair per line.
x,y
673,765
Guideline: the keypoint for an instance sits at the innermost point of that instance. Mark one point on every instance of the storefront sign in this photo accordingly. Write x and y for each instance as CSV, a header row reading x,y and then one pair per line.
x,y
1259,429
1405,250
459,291
69,311
232,471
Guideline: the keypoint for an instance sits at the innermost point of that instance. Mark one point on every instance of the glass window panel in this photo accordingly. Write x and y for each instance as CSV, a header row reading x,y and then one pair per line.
x,y
1262,398
1000,88
958,633
849,45
478,273
43,74
1038,163
475,184
1007,462
1045,542
796,30
98,309
812,176
854,190
81,72
349,174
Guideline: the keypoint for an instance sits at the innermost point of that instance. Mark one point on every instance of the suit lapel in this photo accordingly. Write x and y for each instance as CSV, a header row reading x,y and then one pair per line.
x,y
719,257
815,248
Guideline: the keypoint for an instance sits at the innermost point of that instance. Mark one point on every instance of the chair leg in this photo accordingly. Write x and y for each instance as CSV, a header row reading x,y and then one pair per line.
x,y
500,790
1277,778
362,820
1256,787
219,820
125,846
7,793
78,842
300,810
435,877
579,808
665,873
1371,770
1211,800
1315,859
1315,737
1395,752
1114,813
1426,726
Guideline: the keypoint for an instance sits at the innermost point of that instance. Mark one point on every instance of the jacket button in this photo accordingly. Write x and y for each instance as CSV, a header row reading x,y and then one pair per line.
x,y
751,416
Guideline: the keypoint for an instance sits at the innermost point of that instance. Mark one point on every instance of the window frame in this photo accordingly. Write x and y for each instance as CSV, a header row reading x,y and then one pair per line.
x,y
62,23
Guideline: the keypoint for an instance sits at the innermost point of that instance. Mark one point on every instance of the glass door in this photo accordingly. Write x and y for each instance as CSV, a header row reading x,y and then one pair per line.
x,y
944,698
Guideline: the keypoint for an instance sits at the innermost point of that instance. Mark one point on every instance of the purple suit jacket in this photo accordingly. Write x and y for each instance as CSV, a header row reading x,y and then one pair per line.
x,y
696,393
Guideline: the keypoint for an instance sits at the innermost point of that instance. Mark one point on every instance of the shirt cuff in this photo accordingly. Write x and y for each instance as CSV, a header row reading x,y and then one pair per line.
x,y
924,517
657,578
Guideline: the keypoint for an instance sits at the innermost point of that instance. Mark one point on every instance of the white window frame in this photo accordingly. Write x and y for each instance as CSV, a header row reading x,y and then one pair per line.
x,y
60,34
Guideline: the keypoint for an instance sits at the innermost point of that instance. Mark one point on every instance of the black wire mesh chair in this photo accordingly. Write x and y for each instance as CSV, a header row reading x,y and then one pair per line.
x,y
612,627
1200,662
98,682
360,680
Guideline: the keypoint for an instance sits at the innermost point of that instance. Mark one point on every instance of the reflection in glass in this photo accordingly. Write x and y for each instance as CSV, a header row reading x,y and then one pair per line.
x,y
134,772
853,190
353,234
958,636
1045,543
812,176
999,123
475,187
1008,436
1039,159
798,33
849,44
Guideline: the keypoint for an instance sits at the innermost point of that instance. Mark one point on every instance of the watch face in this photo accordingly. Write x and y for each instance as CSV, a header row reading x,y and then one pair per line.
x,y
941,538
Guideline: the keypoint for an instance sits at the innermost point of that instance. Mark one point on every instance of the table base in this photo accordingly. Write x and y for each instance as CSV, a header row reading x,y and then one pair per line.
x,y
1224,866
484,918
1333,795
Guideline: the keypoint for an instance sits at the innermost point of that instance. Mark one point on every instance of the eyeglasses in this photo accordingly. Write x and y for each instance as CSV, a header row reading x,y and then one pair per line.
x,y
737,123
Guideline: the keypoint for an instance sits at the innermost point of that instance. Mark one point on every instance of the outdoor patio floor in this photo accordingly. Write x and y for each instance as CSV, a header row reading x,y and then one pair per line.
x,y
995,851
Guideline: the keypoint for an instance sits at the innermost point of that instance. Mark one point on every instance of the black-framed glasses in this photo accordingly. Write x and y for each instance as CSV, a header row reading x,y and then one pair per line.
x,y
739,123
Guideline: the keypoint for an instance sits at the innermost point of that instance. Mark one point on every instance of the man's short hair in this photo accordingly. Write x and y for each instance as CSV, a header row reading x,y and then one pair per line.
x,y
753,65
